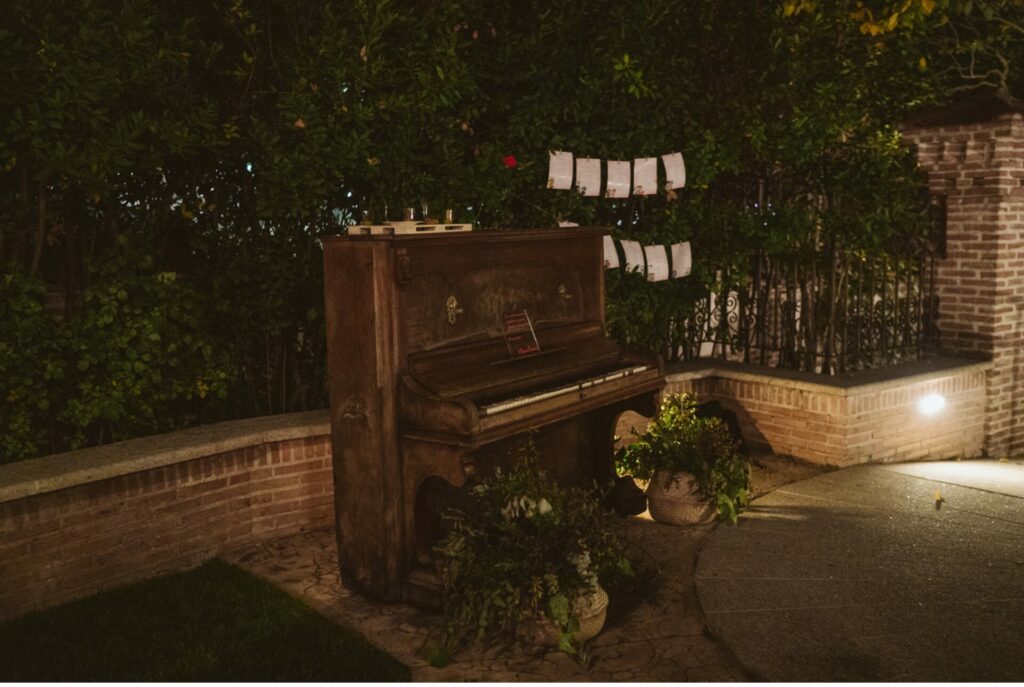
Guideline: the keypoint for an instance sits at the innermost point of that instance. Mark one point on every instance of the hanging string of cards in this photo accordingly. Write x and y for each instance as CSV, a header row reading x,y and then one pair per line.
x,y
622,177
655,262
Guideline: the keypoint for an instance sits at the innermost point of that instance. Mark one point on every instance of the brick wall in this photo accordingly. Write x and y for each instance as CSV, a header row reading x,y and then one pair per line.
x,y
980,167
71,542
845,424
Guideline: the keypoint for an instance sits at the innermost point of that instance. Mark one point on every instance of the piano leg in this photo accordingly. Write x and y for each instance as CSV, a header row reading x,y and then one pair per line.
x,y
431,473
645,405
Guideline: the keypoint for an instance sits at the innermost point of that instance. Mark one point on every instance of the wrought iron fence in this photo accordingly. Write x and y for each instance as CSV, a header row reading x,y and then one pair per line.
x,y
830,311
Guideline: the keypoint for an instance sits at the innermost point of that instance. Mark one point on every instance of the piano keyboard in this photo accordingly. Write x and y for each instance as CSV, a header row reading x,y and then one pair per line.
x,y
580,386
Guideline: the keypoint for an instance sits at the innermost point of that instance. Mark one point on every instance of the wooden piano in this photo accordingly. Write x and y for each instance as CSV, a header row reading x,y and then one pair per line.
x,y
425,393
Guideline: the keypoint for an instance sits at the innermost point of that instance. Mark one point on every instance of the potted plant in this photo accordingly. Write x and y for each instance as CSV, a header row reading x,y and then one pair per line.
x,y
692,465
527,558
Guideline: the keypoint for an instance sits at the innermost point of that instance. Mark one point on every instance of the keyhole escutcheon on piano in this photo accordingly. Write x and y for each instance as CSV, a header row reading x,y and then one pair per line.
x,y
452,309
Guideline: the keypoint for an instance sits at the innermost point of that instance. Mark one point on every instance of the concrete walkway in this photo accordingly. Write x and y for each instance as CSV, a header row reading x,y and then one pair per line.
x,y
858,575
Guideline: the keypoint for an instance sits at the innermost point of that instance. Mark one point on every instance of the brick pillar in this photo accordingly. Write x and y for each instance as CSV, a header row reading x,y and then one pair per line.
x,y
979,165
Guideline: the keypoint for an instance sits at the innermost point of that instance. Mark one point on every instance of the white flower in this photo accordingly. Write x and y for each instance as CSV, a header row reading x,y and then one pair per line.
x,y
582,563
528,506
543,507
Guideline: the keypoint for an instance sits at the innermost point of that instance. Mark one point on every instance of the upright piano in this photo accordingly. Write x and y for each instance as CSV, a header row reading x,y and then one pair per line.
x,y
426,395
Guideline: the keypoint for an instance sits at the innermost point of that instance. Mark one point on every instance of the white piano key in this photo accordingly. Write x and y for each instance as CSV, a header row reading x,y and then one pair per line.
x,y
519,402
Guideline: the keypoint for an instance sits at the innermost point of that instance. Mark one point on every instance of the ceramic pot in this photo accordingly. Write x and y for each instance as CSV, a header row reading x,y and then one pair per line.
x,y
591,611
678,502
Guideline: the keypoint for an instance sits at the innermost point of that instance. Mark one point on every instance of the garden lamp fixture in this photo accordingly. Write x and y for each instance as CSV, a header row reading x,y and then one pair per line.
x,y
931,404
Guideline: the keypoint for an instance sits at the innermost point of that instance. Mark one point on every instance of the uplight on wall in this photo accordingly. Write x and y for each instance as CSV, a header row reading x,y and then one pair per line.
x,y
931,404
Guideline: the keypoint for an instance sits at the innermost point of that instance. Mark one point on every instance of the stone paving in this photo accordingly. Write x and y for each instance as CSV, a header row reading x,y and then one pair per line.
x,y
911,572
660,638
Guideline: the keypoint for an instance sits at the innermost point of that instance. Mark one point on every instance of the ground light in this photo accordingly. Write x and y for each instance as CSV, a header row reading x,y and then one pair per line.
x,y
931,404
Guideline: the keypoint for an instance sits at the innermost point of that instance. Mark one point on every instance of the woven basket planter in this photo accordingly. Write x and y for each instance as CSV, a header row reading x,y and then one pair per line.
x,y
677,503
591,611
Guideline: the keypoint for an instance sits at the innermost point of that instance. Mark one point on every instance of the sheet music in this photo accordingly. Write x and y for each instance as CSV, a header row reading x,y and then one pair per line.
x,y
617,184
634,255
588,176
657,263
560,170
675,171
611,256
519,334
682,260
645,176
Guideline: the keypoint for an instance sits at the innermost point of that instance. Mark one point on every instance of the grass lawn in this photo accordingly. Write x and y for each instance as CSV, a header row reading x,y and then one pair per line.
x,y
215,623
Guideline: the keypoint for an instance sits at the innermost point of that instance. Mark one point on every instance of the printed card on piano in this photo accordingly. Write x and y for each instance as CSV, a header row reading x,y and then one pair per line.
x,y
519,335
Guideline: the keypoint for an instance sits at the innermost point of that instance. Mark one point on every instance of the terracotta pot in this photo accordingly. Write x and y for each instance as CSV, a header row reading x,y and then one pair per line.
x,y
678,502
591,611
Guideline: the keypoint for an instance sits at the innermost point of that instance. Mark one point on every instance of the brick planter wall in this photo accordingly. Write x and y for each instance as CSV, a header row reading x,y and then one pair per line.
x,y
80,522
862,418
979,166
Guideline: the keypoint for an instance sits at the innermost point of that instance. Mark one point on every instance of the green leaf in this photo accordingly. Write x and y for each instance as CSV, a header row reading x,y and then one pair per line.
x,y
438,656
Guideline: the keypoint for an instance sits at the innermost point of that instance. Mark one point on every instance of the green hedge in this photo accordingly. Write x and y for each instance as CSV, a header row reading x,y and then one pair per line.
x,y
167,167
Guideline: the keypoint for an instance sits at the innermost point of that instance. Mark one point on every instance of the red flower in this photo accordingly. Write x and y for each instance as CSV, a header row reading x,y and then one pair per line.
x,y
510,161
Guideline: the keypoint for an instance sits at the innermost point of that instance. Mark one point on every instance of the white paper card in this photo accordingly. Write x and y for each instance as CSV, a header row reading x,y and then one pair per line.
x,y
645,176
617,185
563,223
634,255
560,170
675,170
588,176
682,260
657,263
611,256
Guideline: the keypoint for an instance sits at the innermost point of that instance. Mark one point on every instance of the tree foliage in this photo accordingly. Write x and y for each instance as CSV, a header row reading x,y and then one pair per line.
x,y
220,138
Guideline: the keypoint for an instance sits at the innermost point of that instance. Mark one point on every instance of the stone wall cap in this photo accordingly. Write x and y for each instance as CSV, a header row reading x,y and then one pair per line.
x,y
976,106
73,468
849,384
